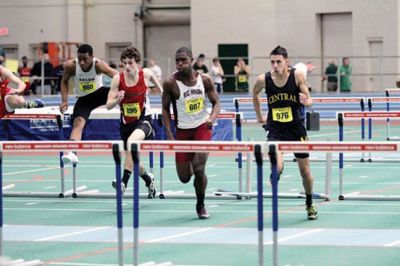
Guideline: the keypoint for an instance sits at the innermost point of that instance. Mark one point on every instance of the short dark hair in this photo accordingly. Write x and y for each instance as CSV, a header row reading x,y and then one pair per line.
x,y
85,48
131,52
279,50
186,51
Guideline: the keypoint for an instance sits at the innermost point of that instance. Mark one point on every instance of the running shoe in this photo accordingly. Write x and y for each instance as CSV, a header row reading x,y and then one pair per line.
x,y
114,185
151,188
202,212
312,213
36,103
70,158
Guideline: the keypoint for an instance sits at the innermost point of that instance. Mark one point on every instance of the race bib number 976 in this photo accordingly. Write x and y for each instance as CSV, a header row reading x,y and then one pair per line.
x,y
283,115
194,106
131,109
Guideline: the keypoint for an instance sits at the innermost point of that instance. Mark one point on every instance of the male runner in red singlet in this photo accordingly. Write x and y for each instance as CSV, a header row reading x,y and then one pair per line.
x,y
187,90
10,98
287,91
129,91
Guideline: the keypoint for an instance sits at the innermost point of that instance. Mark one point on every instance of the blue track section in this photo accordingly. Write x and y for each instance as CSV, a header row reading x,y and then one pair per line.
x,y
326,110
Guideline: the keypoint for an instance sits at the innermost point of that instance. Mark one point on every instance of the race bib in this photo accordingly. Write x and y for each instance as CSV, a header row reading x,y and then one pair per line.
x,y
242,78
283,115
194,106
131,109
87,86
25,79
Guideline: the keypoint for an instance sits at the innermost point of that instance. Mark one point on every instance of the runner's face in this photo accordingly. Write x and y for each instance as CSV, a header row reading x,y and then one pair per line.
x,y
130,65
85,61
183,62
278,64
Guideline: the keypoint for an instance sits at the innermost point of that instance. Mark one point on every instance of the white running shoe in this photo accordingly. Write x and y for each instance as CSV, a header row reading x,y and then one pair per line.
x,y
151,188
70,158
114,185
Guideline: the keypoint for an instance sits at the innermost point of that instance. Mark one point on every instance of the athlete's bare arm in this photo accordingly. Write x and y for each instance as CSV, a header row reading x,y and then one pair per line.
x,y
169,86
8,75
305,97
258,87
69,71
115,96
103,68
213,97
150,76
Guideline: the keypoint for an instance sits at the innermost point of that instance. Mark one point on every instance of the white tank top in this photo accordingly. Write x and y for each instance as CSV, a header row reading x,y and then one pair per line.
x,y
87,82
191,105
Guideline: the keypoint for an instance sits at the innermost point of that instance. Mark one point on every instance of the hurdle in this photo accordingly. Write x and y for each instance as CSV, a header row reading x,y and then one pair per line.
x,y
46,146
137,148
53,146
316,100
388,93
233,116
386,100
341,116
59,119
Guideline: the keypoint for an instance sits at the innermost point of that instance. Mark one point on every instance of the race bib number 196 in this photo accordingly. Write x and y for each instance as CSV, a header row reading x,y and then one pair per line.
x,y
283,115
131,109
194,106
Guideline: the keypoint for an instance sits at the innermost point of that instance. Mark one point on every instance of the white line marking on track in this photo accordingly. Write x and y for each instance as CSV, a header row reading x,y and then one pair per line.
x,y
180,235
30,171
30,203
392,244
295,236
71,234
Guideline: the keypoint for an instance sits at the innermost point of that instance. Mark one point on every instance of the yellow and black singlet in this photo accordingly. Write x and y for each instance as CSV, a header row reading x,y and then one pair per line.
x,y
283,103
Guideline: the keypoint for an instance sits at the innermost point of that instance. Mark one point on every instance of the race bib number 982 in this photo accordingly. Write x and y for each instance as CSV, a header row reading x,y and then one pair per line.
x,y
283,115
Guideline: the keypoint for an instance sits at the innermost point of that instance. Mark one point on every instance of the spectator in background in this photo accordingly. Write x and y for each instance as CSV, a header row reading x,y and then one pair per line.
x,y
345,72
331,76
306,69
24,73
151,63
107,79
58,72
2,59
242,72
36,74
199,65
217,74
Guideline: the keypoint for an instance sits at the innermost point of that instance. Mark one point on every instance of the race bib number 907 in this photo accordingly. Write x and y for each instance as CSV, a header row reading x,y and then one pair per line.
x,y
194,106
131,109
283,115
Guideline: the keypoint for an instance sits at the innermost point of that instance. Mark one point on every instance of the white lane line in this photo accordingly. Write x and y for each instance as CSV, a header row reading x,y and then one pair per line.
x,y
295,236
392,244
72,234
30,171
180,235
283,212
